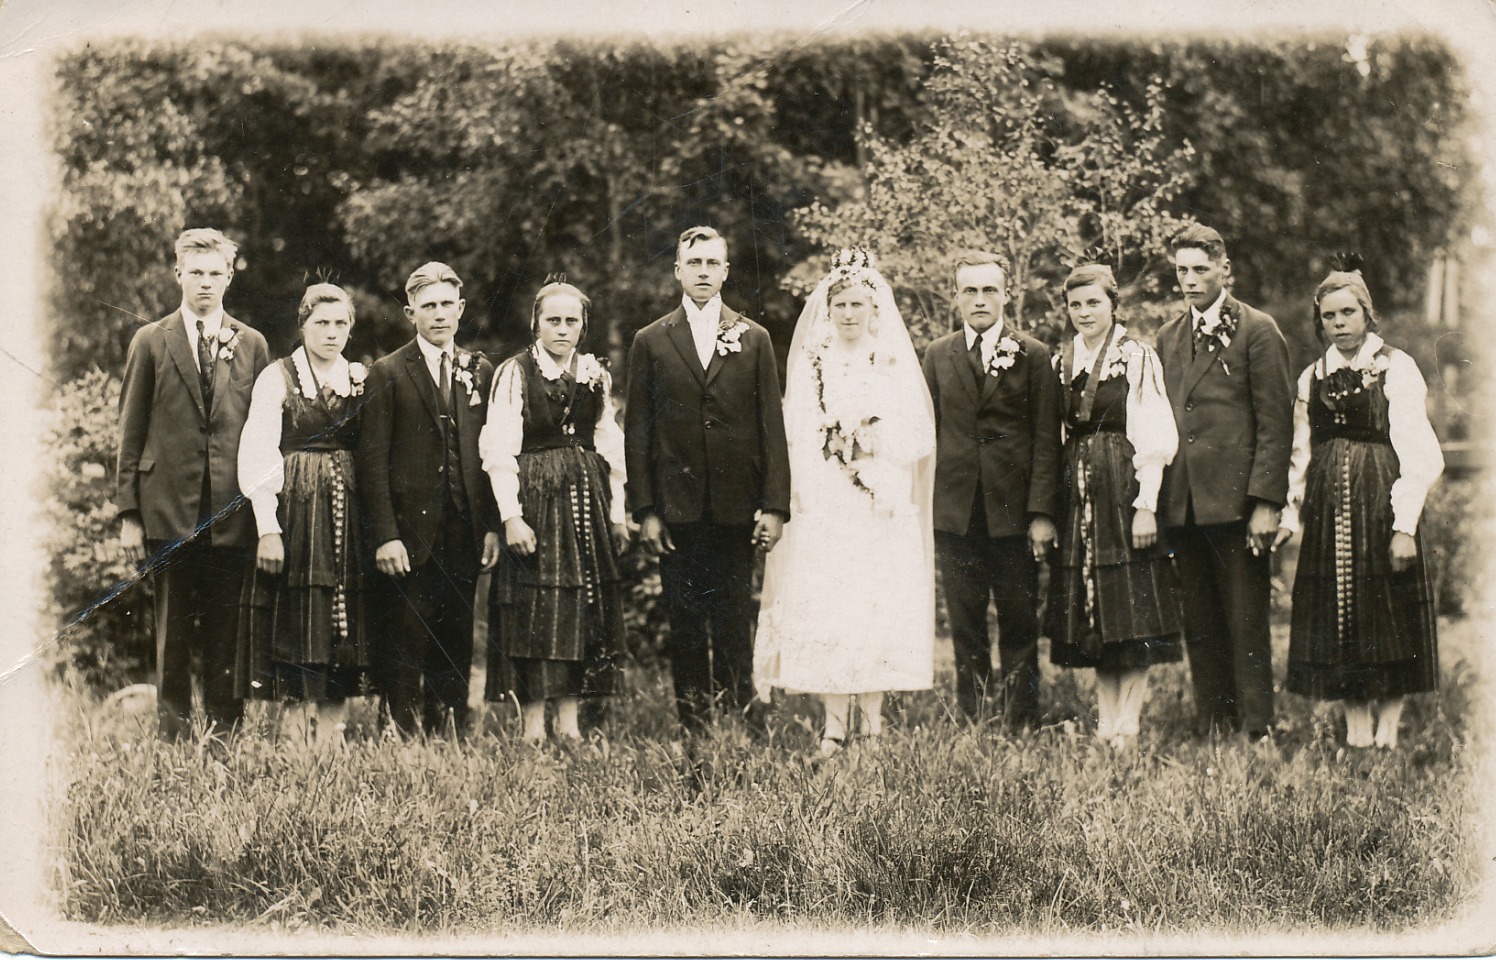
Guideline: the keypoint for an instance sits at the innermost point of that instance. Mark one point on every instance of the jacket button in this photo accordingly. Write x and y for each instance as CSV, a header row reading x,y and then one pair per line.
x,y
709,424
1189,406
706,398
1190,439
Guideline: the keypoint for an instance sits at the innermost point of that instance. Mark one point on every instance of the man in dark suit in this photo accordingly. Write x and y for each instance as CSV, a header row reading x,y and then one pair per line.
x,y
708,474
428,505
1227,374
183,403
997,461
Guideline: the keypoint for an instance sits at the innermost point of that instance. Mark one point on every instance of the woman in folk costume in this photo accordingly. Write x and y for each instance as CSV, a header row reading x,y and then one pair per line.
x,y
1113,602
554,453
302,632
1364,458
848,598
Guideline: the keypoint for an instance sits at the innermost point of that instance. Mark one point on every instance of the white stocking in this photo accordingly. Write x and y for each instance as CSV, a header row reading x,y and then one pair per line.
x,y
1107,693
1131,693
332,721
566,718
533,714
871,705
836,706
1387,720
1357,723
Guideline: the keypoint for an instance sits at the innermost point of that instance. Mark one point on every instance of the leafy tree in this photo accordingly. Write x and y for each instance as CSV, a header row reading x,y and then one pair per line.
x,y
1006,158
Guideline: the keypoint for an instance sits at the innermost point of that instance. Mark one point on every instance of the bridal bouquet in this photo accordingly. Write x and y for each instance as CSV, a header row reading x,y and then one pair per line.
x,y
847,442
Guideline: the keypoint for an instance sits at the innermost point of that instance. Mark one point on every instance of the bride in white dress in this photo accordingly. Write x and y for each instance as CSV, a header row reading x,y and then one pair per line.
x,y
849,593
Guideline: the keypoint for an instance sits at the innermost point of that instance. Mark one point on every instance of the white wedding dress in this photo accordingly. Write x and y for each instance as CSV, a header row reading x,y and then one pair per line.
x,y
848,600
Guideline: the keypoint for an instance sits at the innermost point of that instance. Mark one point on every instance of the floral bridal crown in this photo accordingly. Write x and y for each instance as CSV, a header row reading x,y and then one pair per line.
x,y
853,263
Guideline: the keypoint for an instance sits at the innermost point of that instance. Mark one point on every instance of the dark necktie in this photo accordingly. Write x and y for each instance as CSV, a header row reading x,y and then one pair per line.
x,y
444,384
204,366
974,356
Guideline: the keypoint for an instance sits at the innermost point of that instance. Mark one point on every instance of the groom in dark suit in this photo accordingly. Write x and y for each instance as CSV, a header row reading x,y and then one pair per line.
x,y
428,505
708,474
183,403
997,461
1227,372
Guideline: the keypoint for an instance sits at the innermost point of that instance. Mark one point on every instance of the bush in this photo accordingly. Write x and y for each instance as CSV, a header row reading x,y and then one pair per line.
x,y
105,623
1448,521
643,609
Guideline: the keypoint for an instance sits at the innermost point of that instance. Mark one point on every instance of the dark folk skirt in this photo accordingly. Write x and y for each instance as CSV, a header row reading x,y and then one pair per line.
x,y
1360,630
302,631
1110,607
558,615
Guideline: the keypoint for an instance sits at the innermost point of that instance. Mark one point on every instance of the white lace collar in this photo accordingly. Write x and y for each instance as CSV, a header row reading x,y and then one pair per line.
x,y
550,367
337,378
1334,359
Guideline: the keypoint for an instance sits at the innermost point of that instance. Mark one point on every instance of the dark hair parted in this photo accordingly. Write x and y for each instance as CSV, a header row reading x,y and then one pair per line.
x,y
1197,236
318,294
554,284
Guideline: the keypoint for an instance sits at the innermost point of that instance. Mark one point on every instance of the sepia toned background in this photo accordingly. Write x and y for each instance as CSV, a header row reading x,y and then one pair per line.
x,y
354,140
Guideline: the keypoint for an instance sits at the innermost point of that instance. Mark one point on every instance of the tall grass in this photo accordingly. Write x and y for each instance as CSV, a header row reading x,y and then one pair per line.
x,y
943,828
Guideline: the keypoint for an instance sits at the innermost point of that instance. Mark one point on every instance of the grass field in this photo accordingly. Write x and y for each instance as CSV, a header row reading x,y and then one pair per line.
x,y
944,829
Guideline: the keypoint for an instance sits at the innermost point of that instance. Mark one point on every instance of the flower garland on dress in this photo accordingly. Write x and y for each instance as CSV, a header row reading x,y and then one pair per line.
x,y
590,375
1352,379
590,372
840,442
1118,358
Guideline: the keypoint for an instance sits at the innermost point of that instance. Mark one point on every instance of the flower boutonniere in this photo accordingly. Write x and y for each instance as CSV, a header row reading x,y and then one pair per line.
x,y
1218,331
464,375
1374,371
730,336
357,374
1356,378
589,371
228,339
1118,359
1004,356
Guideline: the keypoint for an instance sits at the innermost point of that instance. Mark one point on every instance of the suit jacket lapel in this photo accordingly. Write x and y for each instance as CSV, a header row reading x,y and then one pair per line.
x,y
989,382
680,335
220,365
181,355
462,413
415,368
960,370
1203,358
718,357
